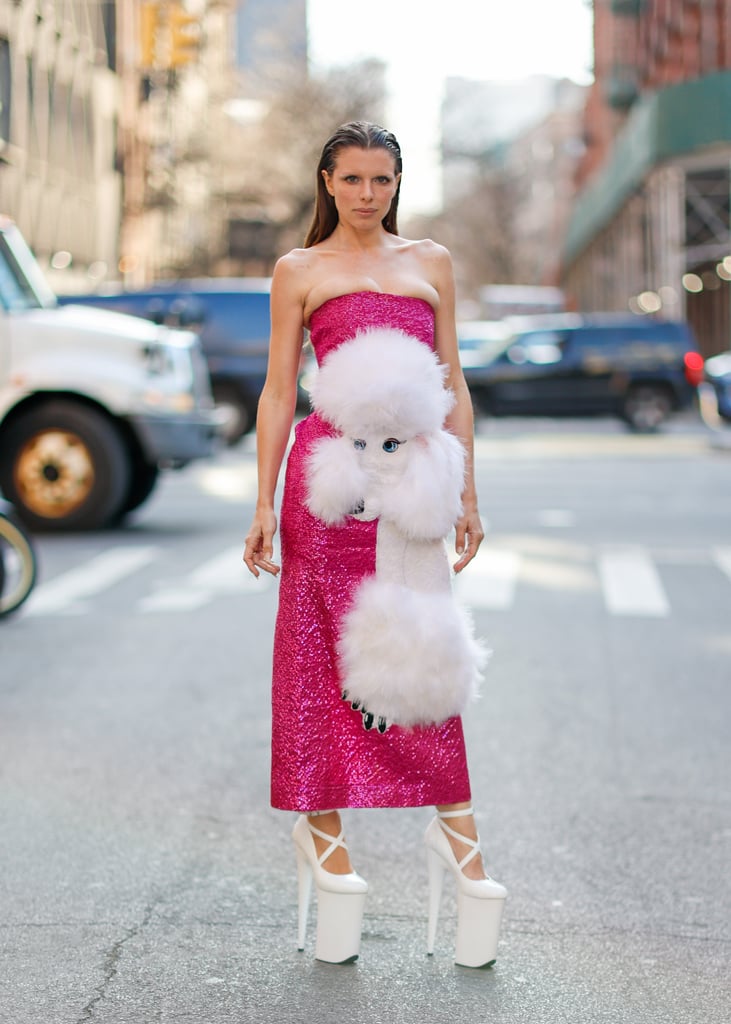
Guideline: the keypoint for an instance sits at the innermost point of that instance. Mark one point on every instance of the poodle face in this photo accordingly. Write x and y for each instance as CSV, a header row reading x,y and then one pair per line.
x,y
383,461
414,483
384,393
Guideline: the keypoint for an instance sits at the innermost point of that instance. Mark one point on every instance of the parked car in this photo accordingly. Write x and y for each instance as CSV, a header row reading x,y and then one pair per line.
x,y
637,368
480,342
718,374
231,317
93,404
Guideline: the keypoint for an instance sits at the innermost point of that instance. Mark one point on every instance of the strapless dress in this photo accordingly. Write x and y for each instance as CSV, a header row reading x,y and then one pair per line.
x,y
322,756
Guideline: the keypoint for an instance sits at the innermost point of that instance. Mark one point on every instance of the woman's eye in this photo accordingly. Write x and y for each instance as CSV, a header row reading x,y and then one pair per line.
x,y
390,445
359,443
382,181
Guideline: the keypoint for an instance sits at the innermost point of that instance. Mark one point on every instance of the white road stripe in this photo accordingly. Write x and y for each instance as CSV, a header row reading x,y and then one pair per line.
x,y
557,517
489,580
231,483
62,593
174,600
227,571
224,573
631,584
722,558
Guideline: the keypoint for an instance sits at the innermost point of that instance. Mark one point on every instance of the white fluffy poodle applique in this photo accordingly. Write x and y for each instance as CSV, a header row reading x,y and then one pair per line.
x,y
407,651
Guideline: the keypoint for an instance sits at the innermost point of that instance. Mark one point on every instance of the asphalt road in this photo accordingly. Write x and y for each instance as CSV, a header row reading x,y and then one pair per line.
x,y
143,877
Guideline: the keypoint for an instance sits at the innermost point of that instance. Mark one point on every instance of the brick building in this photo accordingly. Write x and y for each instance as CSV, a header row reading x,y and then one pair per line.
x,y
650,229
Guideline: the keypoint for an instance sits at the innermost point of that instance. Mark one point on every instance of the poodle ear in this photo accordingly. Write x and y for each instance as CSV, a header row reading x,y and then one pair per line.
x,y
336,482
427,501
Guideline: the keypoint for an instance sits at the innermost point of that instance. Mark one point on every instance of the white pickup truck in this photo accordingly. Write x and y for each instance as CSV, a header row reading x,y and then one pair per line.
x,y
93,404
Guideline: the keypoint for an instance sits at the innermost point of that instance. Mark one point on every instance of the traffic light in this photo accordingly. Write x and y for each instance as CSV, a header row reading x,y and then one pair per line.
x,y
149,34
185,38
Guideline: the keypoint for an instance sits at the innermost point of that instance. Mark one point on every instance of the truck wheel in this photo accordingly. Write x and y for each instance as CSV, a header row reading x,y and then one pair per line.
x,y
646,407
64,467
239,416
142,484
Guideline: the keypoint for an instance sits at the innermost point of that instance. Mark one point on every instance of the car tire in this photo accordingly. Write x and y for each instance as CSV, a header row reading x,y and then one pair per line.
x,y
65,467
239,416
646,407
143,482
17,548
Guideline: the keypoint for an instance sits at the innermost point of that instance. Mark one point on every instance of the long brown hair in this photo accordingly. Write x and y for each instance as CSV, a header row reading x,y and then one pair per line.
x,y
363,135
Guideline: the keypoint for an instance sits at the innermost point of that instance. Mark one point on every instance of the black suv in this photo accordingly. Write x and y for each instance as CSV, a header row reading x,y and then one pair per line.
x,y
634,367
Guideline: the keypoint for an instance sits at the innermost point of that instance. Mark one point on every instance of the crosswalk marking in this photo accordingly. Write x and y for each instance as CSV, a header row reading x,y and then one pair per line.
x,y
490,580
174,599
223,573
630,583
722,558
63,593
228,572
556,517
626,578
231,483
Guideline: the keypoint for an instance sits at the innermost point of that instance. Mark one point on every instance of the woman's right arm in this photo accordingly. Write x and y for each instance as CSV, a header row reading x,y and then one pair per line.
x,y
277,405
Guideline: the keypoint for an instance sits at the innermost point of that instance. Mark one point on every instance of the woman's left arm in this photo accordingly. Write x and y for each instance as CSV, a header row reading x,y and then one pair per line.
x,y
469,531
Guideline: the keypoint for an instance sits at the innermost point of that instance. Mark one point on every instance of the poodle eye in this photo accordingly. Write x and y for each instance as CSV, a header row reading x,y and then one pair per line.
x,y
390,445
359,443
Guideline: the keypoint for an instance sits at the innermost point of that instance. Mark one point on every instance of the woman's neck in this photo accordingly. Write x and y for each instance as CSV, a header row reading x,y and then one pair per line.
x,y
347,238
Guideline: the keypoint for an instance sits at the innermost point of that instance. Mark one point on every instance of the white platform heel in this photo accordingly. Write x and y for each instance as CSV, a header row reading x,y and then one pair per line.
x,y
340,898
479,903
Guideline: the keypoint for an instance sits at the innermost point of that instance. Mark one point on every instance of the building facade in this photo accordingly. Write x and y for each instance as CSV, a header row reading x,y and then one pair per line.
x,y
650,230
172,128
509,154
59,101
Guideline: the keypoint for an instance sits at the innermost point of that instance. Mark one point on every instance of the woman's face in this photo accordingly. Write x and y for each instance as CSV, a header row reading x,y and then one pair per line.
x,y
363,184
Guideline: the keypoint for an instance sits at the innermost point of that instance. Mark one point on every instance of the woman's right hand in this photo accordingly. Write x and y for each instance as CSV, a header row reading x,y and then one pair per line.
x,y
259,546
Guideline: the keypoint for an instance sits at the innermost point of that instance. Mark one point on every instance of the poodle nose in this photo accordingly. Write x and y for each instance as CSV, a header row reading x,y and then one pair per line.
x,y
358,508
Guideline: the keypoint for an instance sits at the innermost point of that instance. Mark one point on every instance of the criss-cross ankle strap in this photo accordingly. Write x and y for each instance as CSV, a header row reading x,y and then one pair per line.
x,y
334,842
474,844
464,813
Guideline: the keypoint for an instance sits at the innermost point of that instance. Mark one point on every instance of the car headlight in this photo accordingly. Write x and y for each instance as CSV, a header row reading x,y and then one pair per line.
x,y
158,359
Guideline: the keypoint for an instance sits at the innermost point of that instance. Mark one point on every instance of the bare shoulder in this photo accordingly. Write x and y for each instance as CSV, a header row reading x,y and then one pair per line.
x,y
290,273
435,262
430,249
433,255
293,262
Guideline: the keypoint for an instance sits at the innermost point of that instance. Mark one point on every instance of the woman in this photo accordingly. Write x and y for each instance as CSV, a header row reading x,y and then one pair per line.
x,y
356,272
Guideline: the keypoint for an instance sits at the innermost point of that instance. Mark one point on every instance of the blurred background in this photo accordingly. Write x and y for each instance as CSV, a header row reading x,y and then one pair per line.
x,y
574,145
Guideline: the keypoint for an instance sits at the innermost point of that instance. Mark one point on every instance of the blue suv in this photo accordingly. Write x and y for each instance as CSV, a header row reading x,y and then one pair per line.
x,y
232,319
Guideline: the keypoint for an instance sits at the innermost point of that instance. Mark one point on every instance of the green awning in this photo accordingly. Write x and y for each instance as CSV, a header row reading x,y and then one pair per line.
x,y
673,122
630,8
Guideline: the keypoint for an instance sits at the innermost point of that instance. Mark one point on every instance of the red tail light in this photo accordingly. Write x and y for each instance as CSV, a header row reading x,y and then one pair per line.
x,y
693,363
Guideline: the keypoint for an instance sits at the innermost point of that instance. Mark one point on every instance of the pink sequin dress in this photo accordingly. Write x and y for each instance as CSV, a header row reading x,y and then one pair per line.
x,y
322,757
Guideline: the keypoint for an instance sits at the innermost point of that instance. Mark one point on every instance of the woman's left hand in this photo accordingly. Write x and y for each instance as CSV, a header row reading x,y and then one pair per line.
x,y
469,536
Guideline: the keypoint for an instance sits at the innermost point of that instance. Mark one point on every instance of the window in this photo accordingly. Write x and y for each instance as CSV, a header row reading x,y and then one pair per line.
x,y
541,348
707,206
15,291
